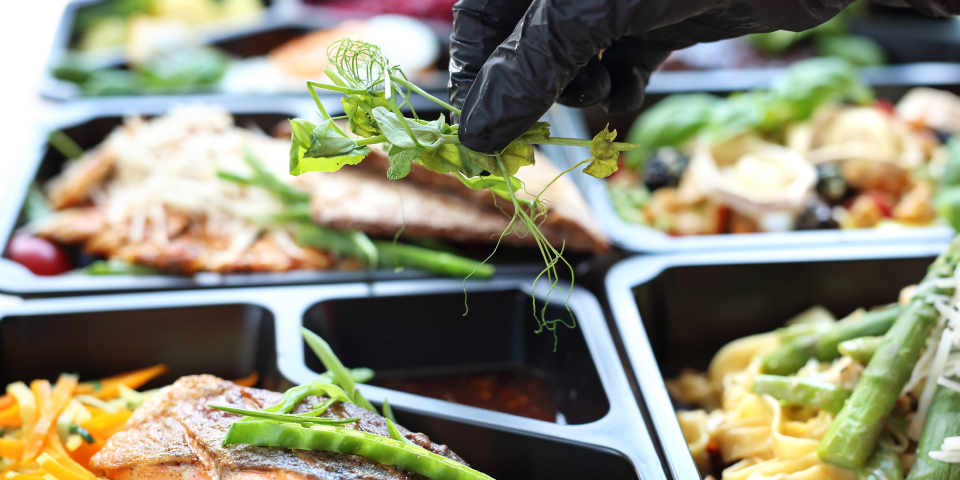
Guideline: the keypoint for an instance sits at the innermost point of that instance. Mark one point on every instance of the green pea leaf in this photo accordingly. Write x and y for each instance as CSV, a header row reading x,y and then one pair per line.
x,y
540,131
495,184
361,123
428,135
604,160
327,150
401,159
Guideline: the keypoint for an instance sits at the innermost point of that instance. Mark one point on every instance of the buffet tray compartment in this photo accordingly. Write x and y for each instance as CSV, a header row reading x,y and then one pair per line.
x,y
234,332
676,311
88,122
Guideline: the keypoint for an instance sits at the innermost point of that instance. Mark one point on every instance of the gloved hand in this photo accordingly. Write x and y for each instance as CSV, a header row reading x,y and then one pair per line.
x,y
510,60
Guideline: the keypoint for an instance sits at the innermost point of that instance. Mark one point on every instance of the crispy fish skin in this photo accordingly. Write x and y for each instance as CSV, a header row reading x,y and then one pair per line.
x,y
175,436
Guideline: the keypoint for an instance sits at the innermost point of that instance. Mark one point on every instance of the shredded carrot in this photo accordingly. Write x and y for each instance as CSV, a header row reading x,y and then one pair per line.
x,y
53,467
10,448
105,425
25,476
41,395
10,417
248,381
56,451
110,387
58,400
26,402
7,401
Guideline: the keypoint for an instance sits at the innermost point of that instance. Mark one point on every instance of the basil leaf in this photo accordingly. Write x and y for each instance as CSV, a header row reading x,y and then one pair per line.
x,y
327,151
428,135
401,159
604,160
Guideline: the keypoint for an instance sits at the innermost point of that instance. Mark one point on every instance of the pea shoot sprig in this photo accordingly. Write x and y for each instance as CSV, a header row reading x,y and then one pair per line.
x,y
374,94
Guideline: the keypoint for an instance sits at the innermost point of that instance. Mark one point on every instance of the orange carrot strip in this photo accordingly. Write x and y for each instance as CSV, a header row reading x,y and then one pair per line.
x,y
110,387
41,395
55,449
248,381
7,401
105,425
55,468
27,404
10,448
25,476
10,417
61,395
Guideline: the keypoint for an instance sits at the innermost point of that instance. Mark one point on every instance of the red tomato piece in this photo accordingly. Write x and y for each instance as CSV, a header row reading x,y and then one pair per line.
x,y
39,255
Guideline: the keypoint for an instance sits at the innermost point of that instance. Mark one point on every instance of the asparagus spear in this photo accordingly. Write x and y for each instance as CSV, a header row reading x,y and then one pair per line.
x,y
444,263
790,356
853,434
796,391
802,342
883,464
943,420
860,349
872,323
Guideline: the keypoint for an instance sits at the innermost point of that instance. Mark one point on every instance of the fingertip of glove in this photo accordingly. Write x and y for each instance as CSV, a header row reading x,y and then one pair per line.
x,y
589,87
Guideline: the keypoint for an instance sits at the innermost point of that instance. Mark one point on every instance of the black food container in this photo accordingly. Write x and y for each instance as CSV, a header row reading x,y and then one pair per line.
x,y
89,122
888,82
281,21
676,311
402,329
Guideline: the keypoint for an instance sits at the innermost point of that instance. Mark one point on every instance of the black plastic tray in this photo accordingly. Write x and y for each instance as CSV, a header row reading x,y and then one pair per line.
x,y
889,82
282,20
390,326
676,311
89,121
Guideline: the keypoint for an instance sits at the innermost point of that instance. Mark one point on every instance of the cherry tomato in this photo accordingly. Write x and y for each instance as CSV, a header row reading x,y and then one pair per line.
x,y
41,256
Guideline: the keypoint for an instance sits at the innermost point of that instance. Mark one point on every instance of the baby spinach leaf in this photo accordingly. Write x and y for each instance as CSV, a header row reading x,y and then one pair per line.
x,y
604,160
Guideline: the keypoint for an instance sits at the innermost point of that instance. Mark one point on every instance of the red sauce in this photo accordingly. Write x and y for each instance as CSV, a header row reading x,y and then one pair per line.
x,y
506,391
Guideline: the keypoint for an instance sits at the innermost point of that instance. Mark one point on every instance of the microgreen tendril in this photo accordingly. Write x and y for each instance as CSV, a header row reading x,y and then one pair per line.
x,y
374,94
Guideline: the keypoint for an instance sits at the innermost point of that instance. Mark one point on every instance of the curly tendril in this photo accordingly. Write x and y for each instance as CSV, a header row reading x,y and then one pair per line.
x,y
362,63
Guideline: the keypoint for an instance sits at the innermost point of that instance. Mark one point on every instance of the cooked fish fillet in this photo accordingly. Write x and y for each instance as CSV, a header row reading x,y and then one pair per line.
x,y
428,204
175,436
74,185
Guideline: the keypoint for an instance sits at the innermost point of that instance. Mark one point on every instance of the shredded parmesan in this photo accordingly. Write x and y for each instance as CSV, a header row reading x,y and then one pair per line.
x,y
949,451
935,371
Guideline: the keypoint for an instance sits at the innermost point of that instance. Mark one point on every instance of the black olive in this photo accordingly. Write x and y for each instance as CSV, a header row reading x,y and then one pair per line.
x,y
816,216
830,183
664,168
942,136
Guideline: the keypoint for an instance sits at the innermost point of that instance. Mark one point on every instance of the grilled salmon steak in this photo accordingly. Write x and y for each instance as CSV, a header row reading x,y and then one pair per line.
x,y
174,435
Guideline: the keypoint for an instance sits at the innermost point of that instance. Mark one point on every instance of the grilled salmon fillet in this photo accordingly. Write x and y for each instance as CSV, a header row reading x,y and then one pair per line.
x,y
175,436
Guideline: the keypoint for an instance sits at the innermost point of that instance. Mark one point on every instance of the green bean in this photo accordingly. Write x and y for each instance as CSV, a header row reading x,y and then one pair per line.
x,y
341,440
797,391
853,433
444,263
342,375
395,432
360,375
388,411
943,420
293,397
790,356
860,349
873,323
285,417
119,267
354,244
65,145
883,464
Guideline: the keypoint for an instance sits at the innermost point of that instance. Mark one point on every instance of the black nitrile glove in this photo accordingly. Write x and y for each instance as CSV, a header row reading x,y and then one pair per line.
x,y
510,60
